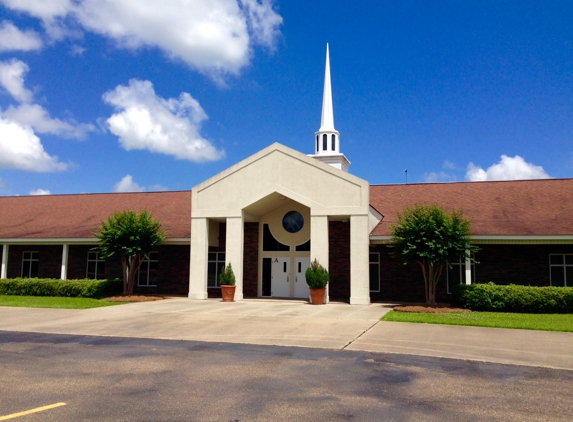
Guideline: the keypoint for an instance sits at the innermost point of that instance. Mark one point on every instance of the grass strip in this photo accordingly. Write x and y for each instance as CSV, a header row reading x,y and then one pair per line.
x,y
545,322
54,302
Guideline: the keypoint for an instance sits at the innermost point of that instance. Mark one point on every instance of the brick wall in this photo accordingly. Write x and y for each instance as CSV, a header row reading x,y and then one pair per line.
x,y
49,263
339,260
251,260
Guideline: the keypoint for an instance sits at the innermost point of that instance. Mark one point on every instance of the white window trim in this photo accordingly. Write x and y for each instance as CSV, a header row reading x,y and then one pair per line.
x,y
147,261
564,266
378,263
462,264
30,260
97,260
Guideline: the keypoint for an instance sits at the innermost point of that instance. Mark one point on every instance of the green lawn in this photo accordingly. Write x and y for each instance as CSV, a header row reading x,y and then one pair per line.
x,y
546,322
54,302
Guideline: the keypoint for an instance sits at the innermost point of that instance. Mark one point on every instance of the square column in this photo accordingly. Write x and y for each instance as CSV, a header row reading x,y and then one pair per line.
x,y
4,268
468,269
319,244
234,251
199,258
359,263
65,253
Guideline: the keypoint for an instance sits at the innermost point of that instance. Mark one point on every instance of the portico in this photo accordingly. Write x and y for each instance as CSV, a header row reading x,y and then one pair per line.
x,y
264,188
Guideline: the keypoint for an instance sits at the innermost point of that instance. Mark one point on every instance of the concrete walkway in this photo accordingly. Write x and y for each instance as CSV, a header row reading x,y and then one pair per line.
x,y
296,323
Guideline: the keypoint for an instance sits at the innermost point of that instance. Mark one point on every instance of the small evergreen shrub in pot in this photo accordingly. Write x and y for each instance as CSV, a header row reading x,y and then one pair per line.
x,y
317,278
227,280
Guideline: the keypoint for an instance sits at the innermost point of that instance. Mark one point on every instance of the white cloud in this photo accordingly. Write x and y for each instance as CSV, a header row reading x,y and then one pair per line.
x,y
449,165
40,192
34,115
11,38
441,176
213,36
508,168
21,149
128,185
12,79
147,121
37,117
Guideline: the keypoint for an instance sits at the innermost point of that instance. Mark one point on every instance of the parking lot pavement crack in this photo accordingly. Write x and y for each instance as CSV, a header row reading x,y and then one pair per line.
x,y
348,343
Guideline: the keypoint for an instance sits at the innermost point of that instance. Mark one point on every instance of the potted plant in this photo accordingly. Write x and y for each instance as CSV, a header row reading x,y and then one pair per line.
x,y
317,278
227,281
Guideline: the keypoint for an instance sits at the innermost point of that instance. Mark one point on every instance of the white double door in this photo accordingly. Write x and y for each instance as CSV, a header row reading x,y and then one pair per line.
x,y
289,281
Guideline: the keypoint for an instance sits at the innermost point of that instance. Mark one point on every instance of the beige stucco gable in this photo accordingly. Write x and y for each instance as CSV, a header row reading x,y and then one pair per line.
x,y
281,170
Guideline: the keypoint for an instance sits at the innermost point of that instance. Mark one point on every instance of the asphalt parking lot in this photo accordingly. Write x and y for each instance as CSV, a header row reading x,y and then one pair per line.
x,y
131,379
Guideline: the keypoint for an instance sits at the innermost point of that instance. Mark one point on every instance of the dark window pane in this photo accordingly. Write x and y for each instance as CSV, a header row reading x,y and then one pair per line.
x,y
153,265
373,257
26,255
26,269
324,142
305,247
270,243
569,276
91,269
221,257
212,274
333,142
34,255
34,269
374,278
569,259
557,276
556,259
212,256
101,270
316,143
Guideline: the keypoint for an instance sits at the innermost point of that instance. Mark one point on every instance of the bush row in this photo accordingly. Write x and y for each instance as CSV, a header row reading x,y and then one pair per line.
x,y
95,289
512,298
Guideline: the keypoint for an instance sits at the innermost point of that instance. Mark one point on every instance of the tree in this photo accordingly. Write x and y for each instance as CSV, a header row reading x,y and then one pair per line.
x,y
131,236
433,238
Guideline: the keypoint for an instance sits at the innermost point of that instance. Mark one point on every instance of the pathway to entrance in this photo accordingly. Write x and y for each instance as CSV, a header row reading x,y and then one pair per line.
x,y
296,323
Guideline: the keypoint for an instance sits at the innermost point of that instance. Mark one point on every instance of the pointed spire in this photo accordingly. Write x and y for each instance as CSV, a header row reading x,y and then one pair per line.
x,y
327,122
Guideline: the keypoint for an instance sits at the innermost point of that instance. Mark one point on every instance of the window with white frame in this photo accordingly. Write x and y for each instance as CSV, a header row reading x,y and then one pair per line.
x,y
561,269
216,263
95,266
374,264
457,274
148,271
30,262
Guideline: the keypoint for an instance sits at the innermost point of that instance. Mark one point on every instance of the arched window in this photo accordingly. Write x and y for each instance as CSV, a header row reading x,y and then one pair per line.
x,y
324,142
334,142
316,143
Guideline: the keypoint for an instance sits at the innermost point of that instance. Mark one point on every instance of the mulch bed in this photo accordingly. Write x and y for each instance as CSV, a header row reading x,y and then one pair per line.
x,y
439,309
133,298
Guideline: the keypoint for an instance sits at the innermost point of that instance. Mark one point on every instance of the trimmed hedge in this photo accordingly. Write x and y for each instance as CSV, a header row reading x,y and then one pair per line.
x,y
95,289
513,298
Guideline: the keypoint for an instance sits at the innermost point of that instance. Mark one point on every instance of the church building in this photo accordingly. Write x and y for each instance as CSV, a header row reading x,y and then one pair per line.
x,y
273,213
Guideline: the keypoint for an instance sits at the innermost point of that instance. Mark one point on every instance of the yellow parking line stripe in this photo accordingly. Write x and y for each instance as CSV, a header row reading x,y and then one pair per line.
x,y
27,412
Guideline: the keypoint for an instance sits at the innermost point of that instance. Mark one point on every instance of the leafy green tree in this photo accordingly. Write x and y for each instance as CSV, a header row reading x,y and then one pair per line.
x,y
433,238
131,236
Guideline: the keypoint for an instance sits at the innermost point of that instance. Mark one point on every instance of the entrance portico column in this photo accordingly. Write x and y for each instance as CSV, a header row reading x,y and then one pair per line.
x,y
319,243
4,268
199,258
234,251
65,254
359,263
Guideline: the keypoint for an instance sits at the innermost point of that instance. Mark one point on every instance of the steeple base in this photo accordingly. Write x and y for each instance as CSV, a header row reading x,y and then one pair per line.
x,y
338,161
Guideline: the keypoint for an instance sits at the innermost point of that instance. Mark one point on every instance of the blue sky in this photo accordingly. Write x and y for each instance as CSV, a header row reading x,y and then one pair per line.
x,y
103,96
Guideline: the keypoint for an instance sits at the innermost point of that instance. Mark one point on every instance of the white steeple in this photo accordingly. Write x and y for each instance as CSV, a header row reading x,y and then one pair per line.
x,y
327,139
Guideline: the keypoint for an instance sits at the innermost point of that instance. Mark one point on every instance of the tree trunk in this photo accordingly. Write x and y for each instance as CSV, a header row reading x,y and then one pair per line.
x,y
125,273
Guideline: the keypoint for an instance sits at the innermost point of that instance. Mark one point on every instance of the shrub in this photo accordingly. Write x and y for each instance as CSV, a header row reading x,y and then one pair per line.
x,y
316,276
227,276
513,298
95,289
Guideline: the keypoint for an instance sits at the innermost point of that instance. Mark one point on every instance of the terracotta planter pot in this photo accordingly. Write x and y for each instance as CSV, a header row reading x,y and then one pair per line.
x,y
317,296
228,293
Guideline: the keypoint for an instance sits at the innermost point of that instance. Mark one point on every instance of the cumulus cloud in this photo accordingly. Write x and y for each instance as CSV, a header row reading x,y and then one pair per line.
x,y
40,192
213,36
12,74
12,79
21,149
13,39
144,120
508,168
38,117
127,184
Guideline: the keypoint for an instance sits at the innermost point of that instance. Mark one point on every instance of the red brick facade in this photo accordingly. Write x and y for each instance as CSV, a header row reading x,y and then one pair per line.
x,y
251,260
339,260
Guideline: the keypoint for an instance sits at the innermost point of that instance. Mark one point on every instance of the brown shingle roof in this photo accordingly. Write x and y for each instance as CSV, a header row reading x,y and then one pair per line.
x,y
78,216
524,207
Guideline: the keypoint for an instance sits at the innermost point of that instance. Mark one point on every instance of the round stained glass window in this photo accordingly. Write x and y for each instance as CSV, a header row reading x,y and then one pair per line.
x,y
293,221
